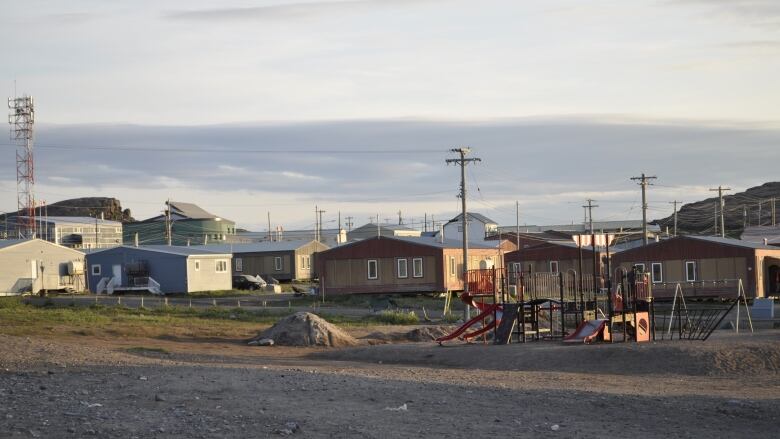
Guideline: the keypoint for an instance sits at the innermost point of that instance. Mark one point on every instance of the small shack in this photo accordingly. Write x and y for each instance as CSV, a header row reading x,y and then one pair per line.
x,y
385,265
34,265
282,260
158,269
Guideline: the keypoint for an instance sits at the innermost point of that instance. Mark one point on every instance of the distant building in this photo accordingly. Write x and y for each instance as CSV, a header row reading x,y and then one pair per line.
x,y
190,225
80,232
555,257
385,265
32,265
625,230
480,227
159,269
282,260
372,230
329,237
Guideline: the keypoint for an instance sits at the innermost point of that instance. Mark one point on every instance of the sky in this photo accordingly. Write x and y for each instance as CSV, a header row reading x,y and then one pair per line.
x,y
250,107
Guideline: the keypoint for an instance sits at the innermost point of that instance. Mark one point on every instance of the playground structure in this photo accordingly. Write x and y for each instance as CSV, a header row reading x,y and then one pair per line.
x,y
521,307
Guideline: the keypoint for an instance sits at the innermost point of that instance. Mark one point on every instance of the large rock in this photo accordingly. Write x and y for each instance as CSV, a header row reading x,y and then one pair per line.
x,y
307,329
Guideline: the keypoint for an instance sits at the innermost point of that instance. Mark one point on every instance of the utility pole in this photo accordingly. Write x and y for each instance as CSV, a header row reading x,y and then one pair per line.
x,y
319,223
400,218
774,214
644,181
720,190
349,222
675,215
590,207
517,223
463,161
168,226
270,237
316,224
744,217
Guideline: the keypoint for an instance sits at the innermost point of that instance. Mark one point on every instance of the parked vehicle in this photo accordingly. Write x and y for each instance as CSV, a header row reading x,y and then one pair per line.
x,y
248,282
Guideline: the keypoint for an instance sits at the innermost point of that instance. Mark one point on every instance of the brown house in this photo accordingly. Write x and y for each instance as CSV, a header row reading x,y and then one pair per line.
x,y
706,266
400,265
282,260
553,257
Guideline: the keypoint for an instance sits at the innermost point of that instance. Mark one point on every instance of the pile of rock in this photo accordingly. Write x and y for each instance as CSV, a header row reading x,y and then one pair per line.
x,y
304,329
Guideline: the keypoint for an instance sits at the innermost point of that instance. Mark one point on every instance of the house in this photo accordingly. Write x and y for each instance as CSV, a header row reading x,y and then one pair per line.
x,y
479,227
189,225
400,265
555,257
706,266
329,237
32,265
624,230
282,260
372,230
768,235
158,269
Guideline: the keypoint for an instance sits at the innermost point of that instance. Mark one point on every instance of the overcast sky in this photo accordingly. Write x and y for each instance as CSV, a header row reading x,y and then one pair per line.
x,y
359,101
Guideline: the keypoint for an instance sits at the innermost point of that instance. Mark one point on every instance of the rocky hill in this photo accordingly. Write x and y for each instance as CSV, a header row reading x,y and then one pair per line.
x,y
740,209
111,208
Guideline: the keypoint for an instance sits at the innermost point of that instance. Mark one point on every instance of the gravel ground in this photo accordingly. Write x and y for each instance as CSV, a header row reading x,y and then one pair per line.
x,y
53,387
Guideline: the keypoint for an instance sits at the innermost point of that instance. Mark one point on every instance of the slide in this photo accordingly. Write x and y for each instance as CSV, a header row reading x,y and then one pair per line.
x,y
586,332
487,311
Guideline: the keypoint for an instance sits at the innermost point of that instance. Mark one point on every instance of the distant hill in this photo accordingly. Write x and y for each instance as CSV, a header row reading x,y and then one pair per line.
x,y
699,217
111,208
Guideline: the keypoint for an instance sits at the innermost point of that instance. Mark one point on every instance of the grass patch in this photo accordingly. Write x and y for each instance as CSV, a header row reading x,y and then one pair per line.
x,y
218,294
398,318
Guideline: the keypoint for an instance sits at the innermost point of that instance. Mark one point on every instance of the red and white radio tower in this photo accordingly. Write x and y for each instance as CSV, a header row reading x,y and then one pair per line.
x,y
21,118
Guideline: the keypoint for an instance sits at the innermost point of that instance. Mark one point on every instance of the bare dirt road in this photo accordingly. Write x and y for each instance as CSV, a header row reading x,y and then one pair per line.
x,y
101,386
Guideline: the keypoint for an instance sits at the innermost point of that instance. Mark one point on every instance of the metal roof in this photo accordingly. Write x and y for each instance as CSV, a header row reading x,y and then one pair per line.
x,y
757,234
172,249
393,227
473,216
580,227
426,241
256,247
733,242
77,220
190,210
4,243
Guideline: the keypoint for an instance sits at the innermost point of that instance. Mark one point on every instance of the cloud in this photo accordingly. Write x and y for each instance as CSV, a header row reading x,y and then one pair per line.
x,y
363,167
763,13
282,11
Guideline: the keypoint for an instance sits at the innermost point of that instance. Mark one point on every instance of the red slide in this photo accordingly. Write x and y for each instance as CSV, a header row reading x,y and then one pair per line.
x,y
487,311
586,332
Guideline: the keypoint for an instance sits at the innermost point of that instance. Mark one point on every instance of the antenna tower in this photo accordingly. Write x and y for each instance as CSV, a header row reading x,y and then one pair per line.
x,y
21,119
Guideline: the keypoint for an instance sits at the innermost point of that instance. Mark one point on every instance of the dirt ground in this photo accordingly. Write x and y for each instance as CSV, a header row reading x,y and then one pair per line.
x,y
178,387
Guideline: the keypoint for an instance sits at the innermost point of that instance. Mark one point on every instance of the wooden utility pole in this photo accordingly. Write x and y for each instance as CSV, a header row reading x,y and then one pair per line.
x,y
644,181
168,225
463,161
774,214
319,224
270,237
675,215
720,190
590,207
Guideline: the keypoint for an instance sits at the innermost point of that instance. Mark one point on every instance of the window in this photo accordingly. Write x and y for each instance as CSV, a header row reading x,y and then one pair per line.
x,y
553,266
452,266
197,265
278,263
96,270
239,264
402,269
690,271
658,273
372,269
222,266
417,267
640,268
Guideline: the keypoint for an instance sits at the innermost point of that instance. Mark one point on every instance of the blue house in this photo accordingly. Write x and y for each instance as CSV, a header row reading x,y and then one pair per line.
x,y
158,269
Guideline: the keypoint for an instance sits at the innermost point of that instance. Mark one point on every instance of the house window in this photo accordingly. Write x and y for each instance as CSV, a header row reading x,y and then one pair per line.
x,y
278,263
452,266
403,271
197,265
658,273
239,264
417,267
517,267
553,266
305,262
222,266
690,271
640,268
372,269
96,270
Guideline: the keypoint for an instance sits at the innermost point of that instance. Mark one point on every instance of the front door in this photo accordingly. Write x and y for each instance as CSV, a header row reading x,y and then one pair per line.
x,y
117,269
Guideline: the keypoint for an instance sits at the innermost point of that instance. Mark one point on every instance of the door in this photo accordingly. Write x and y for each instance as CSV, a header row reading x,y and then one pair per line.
x,y
117,270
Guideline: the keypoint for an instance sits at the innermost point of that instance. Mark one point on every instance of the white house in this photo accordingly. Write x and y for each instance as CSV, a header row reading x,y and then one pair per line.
x,y
479,227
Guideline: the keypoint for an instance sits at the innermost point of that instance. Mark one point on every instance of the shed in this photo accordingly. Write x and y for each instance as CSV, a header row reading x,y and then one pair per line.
x,y
283,260
400,265
159,269
32,265
706,266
